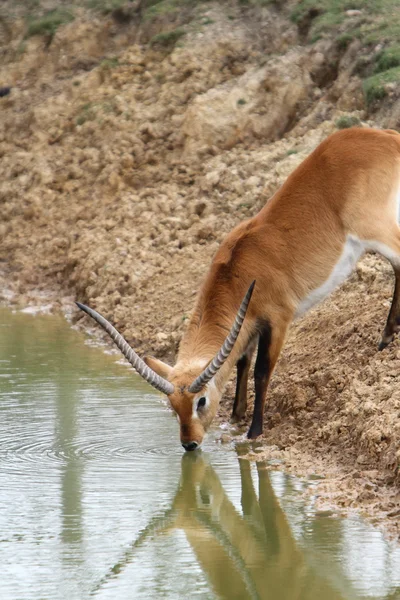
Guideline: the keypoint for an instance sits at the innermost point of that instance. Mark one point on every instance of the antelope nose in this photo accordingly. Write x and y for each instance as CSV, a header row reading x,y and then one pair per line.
x,y
190,445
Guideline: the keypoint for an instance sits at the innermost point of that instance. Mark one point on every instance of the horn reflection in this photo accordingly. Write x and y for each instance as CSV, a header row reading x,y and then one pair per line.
x,y
243,554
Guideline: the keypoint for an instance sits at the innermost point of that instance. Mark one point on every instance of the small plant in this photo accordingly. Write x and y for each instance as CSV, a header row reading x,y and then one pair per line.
x,y
167,39
375,86
387,59
241,102
49,23
21,48
109,63
76,83
105,6
373,90
160,8
87,114
346,121
344,40
292,151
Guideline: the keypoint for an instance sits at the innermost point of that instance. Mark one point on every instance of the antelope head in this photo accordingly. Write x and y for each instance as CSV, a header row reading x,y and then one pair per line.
x,y
190,385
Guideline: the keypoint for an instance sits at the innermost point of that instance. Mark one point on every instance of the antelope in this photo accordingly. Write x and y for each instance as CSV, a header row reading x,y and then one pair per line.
x,y
340,202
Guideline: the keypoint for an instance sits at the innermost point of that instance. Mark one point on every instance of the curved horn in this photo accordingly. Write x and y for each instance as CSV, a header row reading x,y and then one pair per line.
x,y
137,363
226,347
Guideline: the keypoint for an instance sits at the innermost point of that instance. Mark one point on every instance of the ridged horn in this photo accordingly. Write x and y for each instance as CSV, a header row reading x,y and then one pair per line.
x,y
226,347
137,363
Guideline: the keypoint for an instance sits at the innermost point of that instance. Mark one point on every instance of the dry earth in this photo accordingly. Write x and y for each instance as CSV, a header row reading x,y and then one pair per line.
x,y
124,164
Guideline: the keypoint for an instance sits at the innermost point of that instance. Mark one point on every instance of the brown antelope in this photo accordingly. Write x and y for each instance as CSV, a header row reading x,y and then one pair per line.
x,y
342,201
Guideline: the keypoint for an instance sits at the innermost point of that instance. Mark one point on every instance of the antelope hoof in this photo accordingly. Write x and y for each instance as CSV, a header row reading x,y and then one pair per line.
x,y
236,417
254,432
385,341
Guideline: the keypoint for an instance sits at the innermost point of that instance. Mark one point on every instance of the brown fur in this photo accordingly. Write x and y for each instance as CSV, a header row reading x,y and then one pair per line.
x,y
345,187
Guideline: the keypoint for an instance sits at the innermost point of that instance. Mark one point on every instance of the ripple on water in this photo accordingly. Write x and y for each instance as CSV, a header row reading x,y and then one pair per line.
x,y
21,449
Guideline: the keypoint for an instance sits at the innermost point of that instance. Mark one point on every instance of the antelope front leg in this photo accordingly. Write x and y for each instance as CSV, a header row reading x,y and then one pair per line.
x,y
269,347
243,367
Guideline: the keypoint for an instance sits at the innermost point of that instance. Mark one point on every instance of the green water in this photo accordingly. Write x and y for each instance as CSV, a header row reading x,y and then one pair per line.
x,y
97,499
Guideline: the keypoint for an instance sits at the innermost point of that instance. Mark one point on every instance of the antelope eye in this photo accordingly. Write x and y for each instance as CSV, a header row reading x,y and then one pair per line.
x,y
201,403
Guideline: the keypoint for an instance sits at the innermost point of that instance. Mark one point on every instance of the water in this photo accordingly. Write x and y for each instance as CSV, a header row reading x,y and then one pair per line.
x,y
97,499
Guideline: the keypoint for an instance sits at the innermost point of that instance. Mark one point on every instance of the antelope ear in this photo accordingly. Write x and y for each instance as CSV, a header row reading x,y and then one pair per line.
x,y
160,367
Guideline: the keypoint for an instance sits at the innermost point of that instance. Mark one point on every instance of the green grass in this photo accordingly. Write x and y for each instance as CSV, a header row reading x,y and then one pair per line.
x,y
168,38
388,58
379,20
105,6
48,23
346,121
87,113
160,9
109,63
374,86
377,23
343,40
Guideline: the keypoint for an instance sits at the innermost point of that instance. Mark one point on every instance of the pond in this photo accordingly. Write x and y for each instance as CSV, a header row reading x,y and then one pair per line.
x,y
98,499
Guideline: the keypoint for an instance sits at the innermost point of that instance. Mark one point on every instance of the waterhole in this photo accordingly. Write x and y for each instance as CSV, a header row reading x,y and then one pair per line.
x,y
98,500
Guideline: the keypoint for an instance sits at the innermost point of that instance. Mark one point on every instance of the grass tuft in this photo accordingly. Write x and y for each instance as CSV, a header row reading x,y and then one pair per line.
x,y
375,86
109,63
387,59
48,23
168,38
105,7
347,121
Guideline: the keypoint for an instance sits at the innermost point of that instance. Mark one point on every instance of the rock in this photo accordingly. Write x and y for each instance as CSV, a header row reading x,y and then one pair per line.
x,y
161,337
353,13
259,104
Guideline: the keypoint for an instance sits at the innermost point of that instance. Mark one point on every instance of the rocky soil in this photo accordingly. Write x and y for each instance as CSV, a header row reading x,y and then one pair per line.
x,y
125,159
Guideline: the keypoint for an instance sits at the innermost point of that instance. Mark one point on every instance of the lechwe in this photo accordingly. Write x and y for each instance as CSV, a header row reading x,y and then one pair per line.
x,y
342,201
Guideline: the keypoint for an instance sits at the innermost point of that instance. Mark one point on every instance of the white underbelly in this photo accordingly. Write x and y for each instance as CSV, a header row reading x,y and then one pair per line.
x,y
352,251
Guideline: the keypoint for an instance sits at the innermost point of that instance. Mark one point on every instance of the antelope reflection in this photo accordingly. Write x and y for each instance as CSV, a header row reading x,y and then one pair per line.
x,y
248,554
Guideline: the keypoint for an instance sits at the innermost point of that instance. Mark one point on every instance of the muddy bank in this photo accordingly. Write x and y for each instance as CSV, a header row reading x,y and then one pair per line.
x,y
124,162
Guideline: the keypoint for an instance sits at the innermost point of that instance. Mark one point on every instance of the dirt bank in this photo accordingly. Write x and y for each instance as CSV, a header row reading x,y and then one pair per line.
x,y
126,157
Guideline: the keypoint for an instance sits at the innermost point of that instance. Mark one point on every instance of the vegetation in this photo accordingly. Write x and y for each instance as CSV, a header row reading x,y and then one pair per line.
x,y
167,39
87,114
105,6
49,22
376,23
110,63
376,20
346,121
375,86
372,21
388,58
160,8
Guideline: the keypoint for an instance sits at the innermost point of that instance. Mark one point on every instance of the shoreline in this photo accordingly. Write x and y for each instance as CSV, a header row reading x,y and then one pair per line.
x,y
344,488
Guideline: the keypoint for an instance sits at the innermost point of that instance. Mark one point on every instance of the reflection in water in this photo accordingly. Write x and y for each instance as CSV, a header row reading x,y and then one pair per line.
x,y
71,472
82,474
244,554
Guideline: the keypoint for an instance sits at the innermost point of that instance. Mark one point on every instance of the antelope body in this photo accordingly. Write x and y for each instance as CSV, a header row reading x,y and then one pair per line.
x,y
342,201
